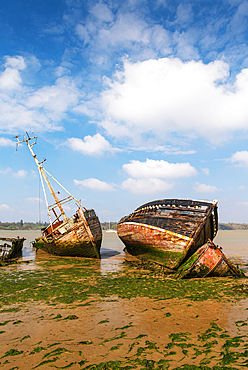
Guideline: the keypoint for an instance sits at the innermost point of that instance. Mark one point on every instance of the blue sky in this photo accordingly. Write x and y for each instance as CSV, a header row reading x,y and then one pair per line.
x,y
131,101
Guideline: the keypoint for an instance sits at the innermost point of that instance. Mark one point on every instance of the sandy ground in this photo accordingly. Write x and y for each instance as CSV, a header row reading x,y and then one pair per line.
x,y
109,330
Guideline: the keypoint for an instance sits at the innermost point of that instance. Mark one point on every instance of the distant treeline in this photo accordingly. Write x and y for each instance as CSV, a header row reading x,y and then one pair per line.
x,y
105,225
108,225
233,226
39,225
22,225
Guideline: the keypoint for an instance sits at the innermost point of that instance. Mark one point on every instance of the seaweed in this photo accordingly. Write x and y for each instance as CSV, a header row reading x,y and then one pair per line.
x,y
12,352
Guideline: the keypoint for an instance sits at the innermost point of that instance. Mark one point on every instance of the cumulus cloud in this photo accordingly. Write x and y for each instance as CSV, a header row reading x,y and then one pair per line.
x,y
20,174
240,158
206,171
34,200
202,188
55,99
4,207
146,186
95,184
158,169
6,142
91,145
10,78
165,96
102,12
23,106
5,171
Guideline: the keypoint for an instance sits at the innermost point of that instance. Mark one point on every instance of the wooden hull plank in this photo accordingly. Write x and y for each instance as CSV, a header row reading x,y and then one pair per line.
x,y
169,230
208,261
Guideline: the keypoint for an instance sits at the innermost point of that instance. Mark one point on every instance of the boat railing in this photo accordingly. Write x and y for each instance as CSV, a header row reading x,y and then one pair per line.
x,y
62,201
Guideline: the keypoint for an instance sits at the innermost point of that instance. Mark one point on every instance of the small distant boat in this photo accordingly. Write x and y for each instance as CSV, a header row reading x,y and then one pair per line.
x,y
208,261
10,248
169,231
79,235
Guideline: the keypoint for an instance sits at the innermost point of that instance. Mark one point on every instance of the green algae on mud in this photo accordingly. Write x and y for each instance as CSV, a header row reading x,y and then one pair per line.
x,y
69,280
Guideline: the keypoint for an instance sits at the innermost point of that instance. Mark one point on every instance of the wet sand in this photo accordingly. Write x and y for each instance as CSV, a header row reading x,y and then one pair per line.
x,y
114,330
140,332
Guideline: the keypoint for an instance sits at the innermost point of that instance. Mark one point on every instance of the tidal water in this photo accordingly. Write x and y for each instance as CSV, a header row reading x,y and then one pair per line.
x,y
234,244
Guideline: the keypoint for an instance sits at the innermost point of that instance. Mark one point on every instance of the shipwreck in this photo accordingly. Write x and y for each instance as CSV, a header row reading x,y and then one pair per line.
x,y
10,249
169,231
208,261
79,235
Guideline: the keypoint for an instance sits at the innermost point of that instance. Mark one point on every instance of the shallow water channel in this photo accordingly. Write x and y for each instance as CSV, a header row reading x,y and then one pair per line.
x,y
233,242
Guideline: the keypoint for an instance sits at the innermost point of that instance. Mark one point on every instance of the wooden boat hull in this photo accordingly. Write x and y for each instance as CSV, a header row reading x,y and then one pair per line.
x,y
69,248
10,248
169,230
208,261
81,236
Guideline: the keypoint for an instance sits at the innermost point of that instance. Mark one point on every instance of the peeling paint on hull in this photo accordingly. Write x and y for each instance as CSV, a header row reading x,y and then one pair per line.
x,y
79,237
168,230
208,261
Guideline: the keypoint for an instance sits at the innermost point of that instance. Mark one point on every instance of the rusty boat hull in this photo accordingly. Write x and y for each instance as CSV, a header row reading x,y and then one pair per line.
x,y
208,261
168,231
79,236
10,248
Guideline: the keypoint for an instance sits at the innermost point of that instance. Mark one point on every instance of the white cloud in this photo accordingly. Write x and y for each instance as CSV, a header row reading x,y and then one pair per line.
x,y
127,28
10,78
23,106
55,99
34,200
146,186
20,174
202,188
240,158
6,142
102,12
165,96
94,184
91,145
5,171
159,169
16,62
4,207
206,171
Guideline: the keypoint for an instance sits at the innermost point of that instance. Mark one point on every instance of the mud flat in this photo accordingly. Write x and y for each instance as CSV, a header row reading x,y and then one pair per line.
x,y
61,313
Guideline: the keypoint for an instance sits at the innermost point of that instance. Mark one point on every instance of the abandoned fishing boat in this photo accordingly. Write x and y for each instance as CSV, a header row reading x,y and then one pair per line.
x,y
79,235
10,248
208,261
169,231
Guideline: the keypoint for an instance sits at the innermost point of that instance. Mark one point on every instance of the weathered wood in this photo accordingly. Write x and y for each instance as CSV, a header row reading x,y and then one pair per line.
x,y
168,230
77,236
208,261
10,248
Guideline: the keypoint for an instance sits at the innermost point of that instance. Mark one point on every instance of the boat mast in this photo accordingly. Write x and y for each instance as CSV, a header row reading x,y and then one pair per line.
x,y
41,170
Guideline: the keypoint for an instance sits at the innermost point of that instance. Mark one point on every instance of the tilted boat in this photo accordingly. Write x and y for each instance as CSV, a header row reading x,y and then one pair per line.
x,y
10,248
79,235
208,261
169,231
